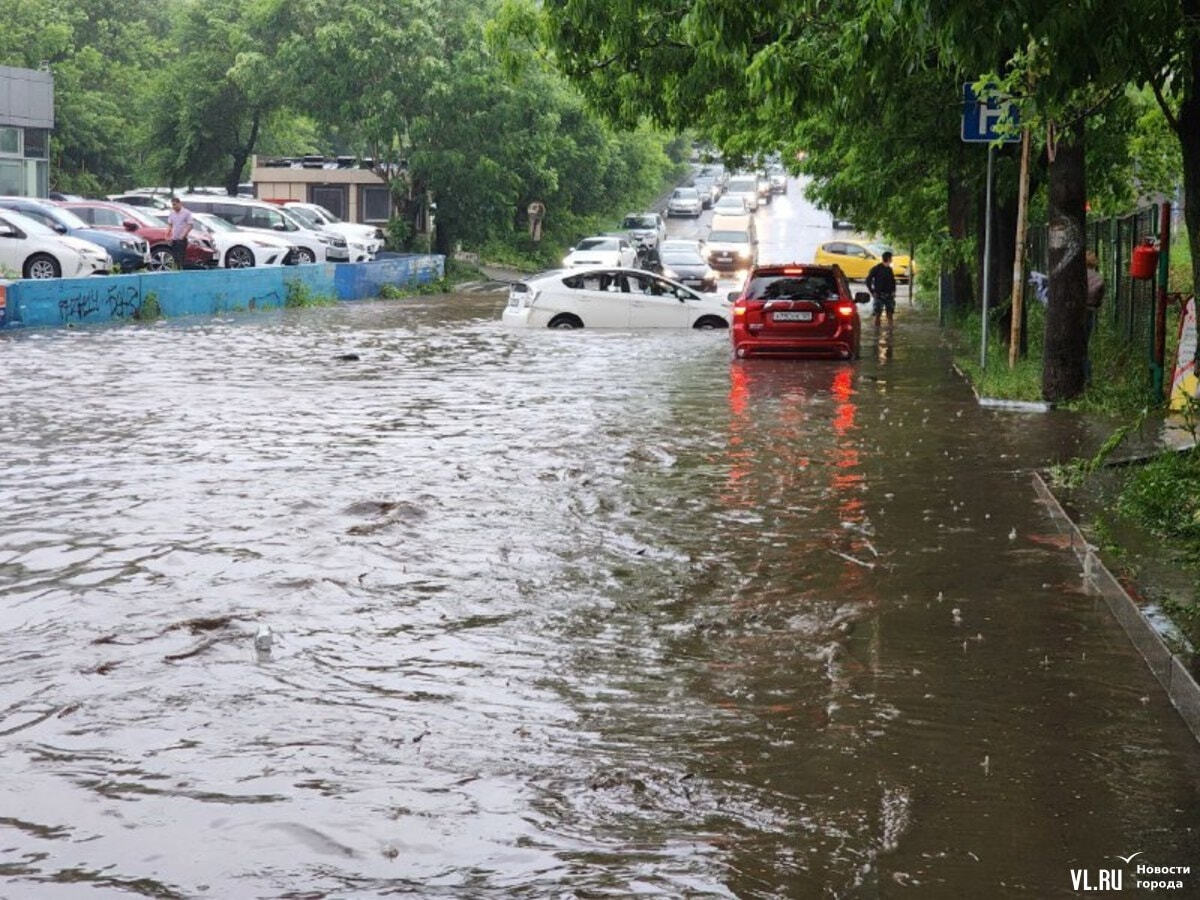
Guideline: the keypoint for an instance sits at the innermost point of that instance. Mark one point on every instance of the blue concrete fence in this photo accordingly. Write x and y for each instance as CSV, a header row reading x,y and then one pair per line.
x,y
78,301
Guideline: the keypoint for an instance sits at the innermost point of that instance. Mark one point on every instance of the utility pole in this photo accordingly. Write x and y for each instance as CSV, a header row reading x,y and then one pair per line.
x,y
1018,282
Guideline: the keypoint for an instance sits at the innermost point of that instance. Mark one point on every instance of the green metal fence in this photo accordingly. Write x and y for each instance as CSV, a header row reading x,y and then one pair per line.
x,y
1128,303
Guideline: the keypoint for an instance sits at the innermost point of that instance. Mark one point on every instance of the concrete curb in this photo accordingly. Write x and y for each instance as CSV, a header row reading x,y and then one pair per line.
x,y
1168,668
996,403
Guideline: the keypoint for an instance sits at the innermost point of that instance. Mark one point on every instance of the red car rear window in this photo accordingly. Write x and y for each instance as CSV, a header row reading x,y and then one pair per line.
x,y
816,286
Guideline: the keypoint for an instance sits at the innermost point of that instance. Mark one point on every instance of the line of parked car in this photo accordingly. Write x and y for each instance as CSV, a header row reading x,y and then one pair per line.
x,y
75,236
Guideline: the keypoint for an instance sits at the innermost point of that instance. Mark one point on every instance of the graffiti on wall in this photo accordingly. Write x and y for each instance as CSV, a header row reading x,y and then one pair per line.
x,y
119,301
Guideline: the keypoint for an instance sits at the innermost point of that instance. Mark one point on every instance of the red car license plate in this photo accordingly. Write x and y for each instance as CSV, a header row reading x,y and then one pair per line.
x,y
804,316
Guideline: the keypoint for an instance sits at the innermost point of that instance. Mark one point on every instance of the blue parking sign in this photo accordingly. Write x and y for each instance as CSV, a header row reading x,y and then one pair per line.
x,y
983,116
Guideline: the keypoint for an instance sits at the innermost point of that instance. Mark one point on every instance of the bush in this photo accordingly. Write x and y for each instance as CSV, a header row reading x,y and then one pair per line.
x,y
300,295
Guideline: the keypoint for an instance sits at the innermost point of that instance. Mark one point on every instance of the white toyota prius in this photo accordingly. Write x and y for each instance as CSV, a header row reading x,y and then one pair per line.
x,y
611,298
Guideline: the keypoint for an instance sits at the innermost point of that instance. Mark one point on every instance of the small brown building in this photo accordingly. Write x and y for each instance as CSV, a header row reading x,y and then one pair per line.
x,y
347,187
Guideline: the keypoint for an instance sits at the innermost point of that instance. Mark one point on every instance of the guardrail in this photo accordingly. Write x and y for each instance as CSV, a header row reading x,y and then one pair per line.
x,y
83,301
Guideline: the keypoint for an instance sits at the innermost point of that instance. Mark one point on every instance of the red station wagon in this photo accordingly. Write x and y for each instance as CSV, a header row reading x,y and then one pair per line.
x,y
796,310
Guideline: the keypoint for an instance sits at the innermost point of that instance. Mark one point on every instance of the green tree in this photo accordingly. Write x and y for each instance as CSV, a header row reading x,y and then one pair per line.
x,y
221,89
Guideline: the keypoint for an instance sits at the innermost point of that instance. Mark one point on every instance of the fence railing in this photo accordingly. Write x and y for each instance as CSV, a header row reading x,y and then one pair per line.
x,y
1128,302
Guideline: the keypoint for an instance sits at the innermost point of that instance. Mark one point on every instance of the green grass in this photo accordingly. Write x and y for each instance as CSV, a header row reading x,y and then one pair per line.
x,y
996,380
300,295
1120,383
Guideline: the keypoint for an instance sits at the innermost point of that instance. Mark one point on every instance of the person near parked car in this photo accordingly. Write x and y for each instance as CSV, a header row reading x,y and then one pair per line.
x,y
180,221
881,282
1095,297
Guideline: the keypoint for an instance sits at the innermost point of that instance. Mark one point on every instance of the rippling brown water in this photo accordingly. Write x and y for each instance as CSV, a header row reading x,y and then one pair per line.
x,y
553,614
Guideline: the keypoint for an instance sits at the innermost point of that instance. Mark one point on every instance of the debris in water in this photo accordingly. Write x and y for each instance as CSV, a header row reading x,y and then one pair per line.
x,y
855,560
986,765
956,613
939,597
1012,535
347,357
263,639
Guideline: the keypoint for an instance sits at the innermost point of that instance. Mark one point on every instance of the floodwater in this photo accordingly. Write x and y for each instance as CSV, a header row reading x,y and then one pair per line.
x,y
552,614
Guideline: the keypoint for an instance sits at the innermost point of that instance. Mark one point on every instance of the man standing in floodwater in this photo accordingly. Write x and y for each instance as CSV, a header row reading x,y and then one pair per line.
x,y
881,282
179,220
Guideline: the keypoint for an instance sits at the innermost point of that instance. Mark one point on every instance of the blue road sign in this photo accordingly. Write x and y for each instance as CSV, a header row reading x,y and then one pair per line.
x,y
982,118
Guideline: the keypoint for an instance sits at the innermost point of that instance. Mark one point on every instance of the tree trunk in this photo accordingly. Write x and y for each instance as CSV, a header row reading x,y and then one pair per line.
x,y
233,177
958,205
1065,355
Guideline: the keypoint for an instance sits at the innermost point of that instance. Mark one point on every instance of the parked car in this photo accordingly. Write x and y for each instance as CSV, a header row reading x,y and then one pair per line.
x,y
689,267
142,200
37,251
685,201
611,298
605,250
857,258
796,310
744,186
129,252
240,249
266,218
360,247
644,230
354,249
732,243
320,217
117,217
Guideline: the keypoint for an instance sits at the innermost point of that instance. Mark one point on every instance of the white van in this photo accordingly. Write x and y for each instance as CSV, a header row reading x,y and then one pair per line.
x,y
267,218
732,242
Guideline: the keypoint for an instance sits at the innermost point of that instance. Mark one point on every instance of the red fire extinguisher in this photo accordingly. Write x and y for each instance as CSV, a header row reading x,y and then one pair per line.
x,y
1143,262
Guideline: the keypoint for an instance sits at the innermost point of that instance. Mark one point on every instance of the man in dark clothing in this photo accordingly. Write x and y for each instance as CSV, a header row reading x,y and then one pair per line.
x,y
881,282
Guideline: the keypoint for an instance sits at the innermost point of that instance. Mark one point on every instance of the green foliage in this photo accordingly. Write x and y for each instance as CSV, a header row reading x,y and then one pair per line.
x,y
300,295
1164,496
150,310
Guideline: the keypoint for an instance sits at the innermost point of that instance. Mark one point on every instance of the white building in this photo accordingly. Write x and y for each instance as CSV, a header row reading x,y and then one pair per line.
x,y
26,119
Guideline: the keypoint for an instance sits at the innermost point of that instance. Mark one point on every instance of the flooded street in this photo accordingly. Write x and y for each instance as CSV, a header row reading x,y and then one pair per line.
x,y
552,614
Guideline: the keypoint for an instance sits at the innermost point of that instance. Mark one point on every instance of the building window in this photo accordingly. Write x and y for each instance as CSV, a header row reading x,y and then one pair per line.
x,y
375,204
37,145
332,198
12,177
10,140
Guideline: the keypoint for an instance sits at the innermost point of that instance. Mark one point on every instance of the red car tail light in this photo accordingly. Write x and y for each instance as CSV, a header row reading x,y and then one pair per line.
x,y
739,308
845,309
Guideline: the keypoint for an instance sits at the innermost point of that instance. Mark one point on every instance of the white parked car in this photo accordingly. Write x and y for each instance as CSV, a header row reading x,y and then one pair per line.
x,y
240,249
685,201
355,249
369,235
605,250
269,219
611,298
32,250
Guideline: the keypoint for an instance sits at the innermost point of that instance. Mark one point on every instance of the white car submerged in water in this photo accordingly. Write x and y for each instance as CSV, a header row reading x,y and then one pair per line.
x,y
613,297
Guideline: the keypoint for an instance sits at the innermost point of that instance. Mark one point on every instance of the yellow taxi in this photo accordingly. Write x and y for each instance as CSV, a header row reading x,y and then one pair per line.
x,y
857,258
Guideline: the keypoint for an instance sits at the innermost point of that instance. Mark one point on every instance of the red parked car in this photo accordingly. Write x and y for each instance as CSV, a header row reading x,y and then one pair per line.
x,y
796,309
109,216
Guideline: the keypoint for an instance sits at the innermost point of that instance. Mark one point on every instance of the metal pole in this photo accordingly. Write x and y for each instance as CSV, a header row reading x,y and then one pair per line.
x,y
1160,305
1018,282
987,257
